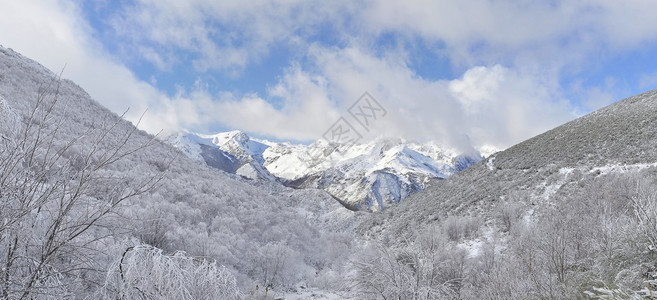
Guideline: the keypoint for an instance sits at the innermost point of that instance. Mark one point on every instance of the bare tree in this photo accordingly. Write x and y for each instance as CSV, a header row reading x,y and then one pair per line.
x,y
428,267
645,211
54,195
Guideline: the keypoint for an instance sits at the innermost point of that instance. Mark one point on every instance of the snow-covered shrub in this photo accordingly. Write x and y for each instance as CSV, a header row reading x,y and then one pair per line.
x,y
459,228
430,267
145,272
645,211
509,214
10,124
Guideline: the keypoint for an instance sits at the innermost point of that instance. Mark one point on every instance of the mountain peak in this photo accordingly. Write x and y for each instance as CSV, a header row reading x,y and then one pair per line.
x,y
352,173
236,136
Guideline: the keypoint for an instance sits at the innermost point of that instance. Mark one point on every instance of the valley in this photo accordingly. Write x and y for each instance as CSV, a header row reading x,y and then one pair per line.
x,y
94,207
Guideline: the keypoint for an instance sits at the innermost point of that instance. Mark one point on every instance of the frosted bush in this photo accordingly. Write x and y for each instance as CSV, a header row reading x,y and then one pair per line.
x,y
145,272
9,121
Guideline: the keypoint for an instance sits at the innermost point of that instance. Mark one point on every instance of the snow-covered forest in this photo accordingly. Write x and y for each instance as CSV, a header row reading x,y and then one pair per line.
x,y
90,202
595,238
91,207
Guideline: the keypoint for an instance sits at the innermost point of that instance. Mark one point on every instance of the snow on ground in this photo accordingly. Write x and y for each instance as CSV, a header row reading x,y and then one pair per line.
x,y
187,145
489,163
617,168
488,150
474,246
308,294
550,189
528,217
566,171
302,292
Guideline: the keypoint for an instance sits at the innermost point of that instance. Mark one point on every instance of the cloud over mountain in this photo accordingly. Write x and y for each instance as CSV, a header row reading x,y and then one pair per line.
x,y
471,73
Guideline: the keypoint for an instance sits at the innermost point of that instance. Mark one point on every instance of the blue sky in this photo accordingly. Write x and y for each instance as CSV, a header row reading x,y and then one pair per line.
x,y
468,73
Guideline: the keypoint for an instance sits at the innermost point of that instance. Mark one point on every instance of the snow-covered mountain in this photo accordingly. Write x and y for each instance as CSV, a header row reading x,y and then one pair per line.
x,y
366,176
190,210
234,152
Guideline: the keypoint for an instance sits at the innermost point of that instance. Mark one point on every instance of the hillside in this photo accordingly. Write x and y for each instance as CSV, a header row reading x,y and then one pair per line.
x,y
265,235
570,213
622,134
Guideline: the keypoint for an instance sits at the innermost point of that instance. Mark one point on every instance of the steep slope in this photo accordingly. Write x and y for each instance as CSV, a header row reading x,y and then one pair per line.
x,y
375,175
568,214
368,176
622,134
233,152
266,234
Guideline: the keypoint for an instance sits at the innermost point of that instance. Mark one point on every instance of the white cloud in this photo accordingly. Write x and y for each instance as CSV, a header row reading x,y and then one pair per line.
x,y
510,54
305,111
152,56
487,105
491,105
54,34
504,106
224,35
556,34
625,24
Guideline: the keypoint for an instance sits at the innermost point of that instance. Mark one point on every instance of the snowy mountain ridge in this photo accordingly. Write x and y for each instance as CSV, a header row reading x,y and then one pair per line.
x,y
367,176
